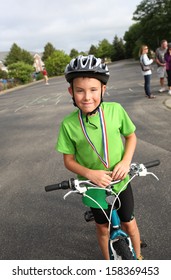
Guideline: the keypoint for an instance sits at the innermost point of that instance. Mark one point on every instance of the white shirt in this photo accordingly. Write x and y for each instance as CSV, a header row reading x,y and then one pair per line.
x,y
146,61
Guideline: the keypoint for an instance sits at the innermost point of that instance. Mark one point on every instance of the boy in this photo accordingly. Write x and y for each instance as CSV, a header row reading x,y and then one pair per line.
x,y
92,147
45,75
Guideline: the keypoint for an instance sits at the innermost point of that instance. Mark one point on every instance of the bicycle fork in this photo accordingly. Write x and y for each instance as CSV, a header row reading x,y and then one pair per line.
x,y
116,233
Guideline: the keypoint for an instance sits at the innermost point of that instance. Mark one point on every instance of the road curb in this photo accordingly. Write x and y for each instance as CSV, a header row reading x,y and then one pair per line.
x,y
26,85
167,103
19,87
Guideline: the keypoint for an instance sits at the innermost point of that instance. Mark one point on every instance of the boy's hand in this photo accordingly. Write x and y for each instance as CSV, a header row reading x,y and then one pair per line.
x,y
121,170
100,177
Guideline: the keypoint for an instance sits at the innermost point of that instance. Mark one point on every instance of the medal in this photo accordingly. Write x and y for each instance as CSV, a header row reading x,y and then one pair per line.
x,y
105,159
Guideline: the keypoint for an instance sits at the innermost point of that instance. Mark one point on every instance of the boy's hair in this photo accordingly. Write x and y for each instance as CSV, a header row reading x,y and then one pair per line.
x,y
87,66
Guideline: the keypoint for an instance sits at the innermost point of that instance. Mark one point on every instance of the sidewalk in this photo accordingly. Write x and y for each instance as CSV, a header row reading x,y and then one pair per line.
x,y
19,87
167,103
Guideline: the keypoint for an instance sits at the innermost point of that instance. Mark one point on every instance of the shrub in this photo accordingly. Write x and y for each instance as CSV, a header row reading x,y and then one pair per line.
x,y
21,71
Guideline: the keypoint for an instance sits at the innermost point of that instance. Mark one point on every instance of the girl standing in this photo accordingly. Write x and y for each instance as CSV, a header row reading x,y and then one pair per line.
x,y
146,70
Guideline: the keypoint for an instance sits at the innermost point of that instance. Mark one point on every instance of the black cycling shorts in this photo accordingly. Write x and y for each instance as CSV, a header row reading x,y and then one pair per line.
x,y
125,212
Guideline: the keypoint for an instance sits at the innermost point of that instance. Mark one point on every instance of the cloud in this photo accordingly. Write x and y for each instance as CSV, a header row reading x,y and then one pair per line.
x,y
66,24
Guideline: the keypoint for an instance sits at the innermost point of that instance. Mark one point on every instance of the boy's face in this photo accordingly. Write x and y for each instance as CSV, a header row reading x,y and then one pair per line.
x,y
87,93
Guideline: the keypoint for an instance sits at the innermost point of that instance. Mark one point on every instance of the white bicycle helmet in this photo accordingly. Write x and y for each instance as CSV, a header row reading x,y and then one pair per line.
x,y
87,66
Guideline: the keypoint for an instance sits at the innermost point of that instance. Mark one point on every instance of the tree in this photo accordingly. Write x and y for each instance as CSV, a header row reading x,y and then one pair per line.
x,y
117,50
154,17
21,72
14,55
93,50
104,49
3,74
26,57
73,53
56,63
133,39
17,54
48,51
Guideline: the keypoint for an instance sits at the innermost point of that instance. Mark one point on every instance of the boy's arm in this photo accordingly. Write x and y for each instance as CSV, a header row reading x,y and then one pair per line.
x,y
101,178
122,168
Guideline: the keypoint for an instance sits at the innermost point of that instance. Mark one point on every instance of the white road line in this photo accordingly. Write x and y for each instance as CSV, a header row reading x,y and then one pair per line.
x,y
141,85
39,100
24,106
58,100
45,99
35,100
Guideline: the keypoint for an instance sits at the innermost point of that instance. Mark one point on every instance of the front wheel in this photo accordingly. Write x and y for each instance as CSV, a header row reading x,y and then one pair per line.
x,y
121,249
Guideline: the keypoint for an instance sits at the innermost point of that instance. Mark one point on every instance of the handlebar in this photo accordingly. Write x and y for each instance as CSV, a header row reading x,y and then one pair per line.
x,y
63,185
136,169
153,163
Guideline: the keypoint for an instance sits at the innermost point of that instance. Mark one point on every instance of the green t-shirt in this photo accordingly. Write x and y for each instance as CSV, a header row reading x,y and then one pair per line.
x,y
71,140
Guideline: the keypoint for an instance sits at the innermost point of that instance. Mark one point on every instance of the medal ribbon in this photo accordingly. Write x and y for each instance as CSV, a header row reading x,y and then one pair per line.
x,y
105,159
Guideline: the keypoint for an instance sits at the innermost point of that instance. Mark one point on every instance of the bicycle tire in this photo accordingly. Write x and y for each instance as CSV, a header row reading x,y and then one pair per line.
x,y
120,250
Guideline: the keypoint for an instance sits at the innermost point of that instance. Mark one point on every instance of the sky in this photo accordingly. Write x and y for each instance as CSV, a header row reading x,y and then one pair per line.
x,y
66,24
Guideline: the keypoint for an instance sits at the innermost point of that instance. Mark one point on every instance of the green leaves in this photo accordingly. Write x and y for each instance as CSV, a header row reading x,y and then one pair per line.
x,y
21,72
154,18
56,63
17,54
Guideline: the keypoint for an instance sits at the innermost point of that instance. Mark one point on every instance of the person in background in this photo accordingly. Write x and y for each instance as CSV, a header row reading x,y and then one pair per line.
x,y
161,64
45,75
167,57
145,63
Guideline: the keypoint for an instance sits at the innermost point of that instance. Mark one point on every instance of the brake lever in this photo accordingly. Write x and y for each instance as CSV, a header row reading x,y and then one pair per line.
x,y
76,189
143,172
68,193
154,175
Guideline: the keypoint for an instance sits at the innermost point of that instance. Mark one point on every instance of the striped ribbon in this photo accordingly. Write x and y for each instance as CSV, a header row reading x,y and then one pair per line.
x,y
105,159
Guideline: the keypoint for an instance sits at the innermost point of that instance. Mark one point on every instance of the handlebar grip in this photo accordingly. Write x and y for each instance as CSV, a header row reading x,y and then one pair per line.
x,y
53,187
152,163
63,185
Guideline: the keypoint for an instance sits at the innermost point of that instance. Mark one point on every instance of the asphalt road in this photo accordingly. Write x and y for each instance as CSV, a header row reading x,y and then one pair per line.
x,y
39,225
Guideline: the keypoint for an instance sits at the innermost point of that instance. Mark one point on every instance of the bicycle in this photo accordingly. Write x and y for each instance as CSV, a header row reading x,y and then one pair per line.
x,y
120,245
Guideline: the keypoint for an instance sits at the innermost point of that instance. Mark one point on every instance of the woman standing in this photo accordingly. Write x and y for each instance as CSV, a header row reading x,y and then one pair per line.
x,y
168,66
146,70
